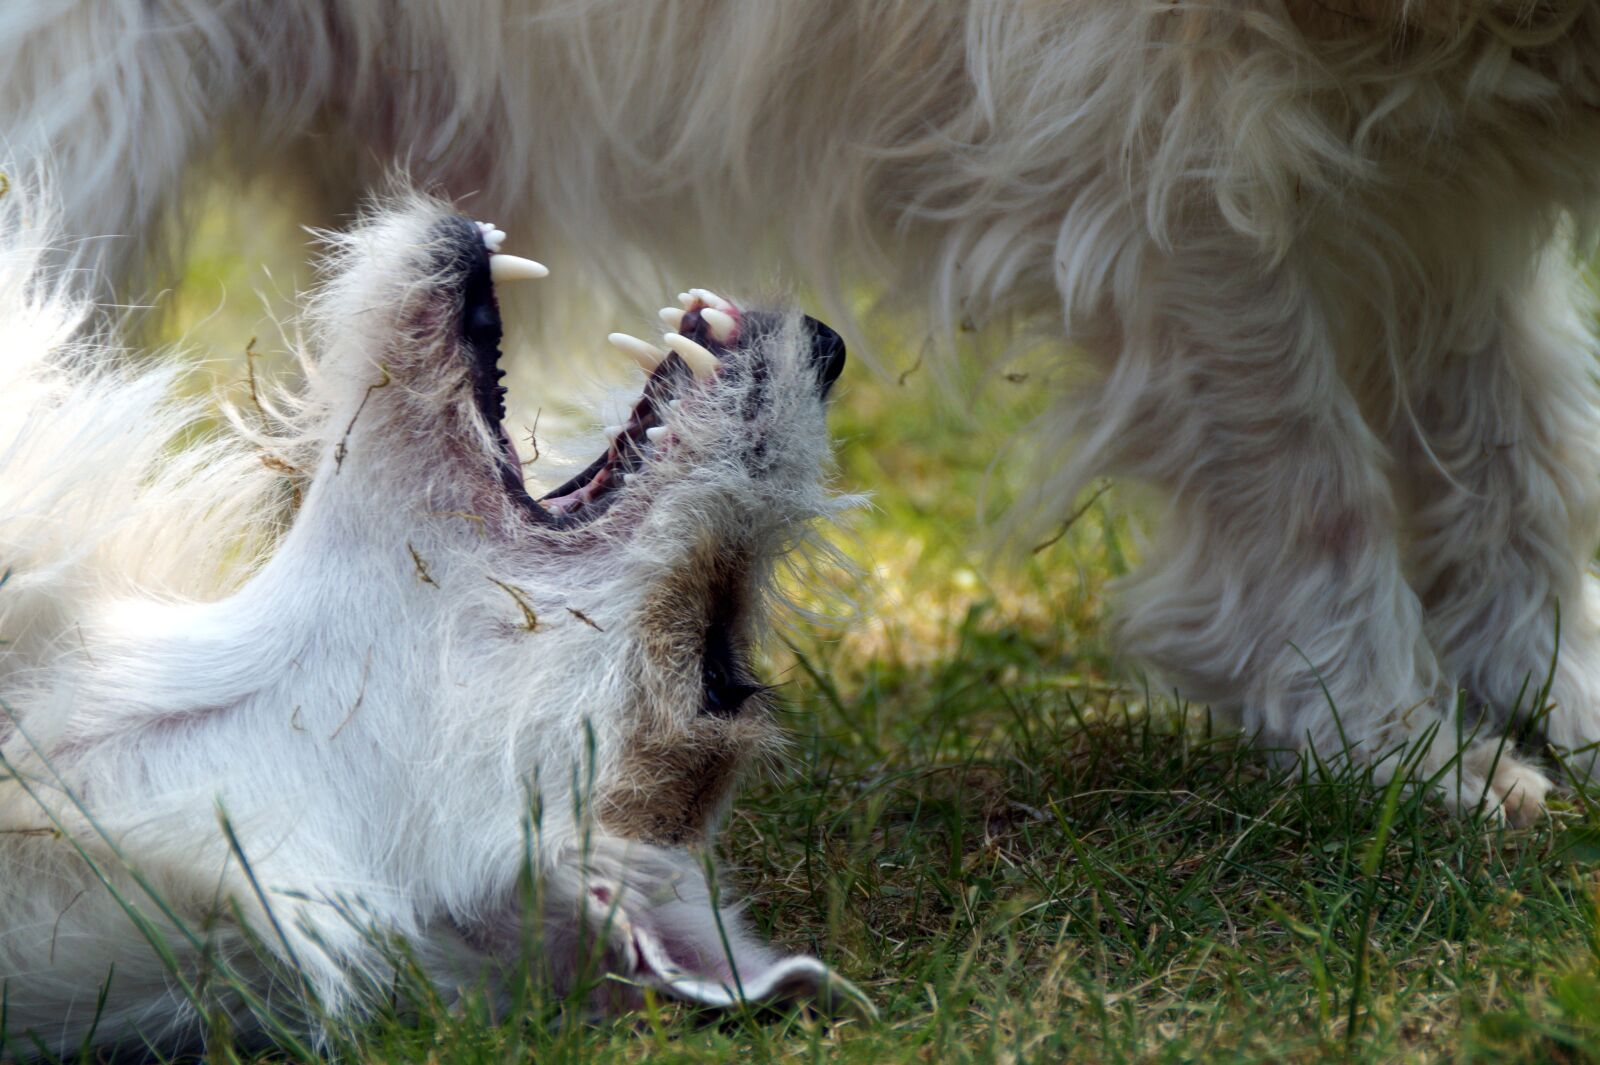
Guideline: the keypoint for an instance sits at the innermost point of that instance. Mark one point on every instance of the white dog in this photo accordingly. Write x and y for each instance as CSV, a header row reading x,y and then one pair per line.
x,y
339,752
1318,251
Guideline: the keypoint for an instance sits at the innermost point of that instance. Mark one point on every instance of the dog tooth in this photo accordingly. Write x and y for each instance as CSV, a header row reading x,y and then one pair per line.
x,y
494,239
655,433
612,432
700,360
720,323
648,356
685,299
515,268
672,317
706,296
628,478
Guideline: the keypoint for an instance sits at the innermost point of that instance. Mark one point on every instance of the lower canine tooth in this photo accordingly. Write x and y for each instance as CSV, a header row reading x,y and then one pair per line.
x,y
648,356
720,323
515,268
700,360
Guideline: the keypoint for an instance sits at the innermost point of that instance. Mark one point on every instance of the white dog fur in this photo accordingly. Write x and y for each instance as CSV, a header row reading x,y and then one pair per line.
x,y
1320,252
373,696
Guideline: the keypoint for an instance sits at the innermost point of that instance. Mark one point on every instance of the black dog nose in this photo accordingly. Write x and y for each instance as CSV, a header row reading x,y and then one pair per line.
x,y
827,353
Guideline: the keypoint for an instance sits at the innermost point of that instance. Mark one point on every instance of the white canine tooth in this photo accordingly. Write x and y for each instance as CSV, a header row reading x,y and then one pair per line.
x,y
612,432
648,356
655,433
701,361
672,317
515,268
720,323
711,299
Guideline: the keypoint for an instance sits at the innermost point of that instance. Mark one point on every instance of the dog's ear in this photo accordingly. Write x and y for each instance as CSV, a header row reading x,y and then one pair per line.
x,y
658,912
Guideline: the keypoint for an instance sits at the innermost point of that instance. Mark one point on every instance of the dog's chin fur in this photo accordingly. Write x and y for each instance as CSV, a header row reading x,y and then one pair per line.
x,y
322,738
1318,250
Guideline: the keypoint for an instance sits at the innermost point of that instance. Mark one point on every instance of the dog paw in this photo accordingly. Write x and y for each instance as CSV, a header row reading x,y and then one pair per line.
x,y
1507,787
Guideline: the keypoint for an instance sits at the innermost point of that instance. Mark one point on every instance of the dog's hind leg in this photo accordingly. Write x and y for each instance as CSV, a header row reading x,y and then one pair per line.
x,y
105,103
1502,474
1277,587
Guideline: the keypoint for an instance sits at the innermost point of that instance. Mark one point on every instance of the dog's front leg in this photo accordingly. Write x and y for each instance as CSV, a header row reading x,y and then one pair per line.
x,y
1277,588
1504,486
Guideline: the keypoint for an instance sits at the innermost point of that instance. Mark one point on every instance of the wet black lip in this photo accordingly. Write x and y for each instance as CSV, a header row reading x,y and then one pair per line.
x,y
597,487
481,331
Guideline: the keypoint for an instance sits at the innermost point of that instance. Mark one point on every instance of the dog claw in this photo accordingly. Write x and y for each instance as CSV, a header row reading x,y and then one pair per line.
x,y
672,317
648,356
720,323
515,268
700,360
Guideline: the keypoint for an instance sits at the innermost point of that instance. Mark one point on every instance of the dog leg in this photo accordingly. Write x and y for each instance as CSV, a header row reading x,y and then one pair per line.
x,y
1504,487
1277,588
105,103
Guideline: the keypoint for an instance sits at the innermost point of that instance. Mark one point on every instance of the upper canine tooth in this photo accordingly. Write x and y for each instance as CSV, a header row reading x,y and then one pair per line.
x,y
700,360
720,323
515,268
672,317
648,356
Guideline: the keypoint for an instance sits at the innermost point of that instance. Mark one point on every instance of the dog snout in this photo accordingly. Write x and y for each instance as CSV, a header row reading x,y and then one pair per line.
x,y
827,354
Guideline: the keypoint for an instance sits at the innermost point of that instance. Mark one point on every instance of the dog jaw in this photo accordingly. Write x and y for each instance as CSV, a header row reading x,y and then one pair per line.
x,y
428,654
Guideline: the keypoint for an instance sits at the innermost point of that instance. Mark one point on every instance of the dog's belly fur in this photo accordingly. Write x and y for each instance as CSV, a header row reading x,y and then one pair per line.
x,y
1317,250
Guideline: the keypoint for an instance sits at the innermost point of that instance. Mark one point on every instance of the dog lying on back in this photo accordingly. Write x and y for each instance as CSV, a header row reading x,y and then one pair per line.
x,y
1317,252
280,775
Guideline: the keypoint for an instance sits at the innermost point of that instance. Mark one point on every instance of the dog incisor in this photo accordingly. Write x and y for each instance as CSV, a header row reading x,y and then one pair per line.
x,y
1317,256
425,690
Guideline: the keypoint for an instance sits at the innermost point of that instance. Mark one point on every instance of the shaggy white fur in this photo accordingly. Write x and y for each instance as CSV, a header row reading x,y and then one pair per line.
x,y
238,756
1318,250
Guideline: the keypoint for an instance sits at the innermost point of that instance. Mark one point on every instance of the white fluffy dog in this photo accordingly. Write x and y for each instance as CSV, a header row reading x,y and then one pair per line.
x,y
1317,250
213,788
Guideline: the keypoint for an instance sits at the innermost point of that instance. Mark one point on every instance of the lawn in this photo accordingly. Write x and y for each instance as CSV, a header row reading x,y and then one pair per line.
x,y
1022,853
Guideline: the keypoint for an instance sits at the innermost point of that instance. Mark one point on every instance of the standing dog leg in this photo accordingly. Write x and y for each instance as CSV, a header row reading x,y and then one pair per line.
x,y
1505,509
1278,587
110,101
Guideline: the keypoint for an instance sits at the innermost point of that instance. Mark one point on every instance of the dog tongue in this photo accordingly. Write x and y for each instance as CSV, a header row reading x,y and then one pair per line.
x,y
655,909
794,978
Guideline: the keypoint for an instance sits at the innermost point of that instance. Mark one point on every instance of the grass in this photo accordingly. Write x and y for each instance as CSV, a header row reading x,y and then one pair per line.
x,y
1025,856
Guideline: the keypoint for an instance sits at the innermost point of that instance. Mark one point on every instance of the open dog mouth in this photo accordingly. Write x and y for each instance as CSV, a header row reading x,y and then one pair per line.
x,y
704,342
